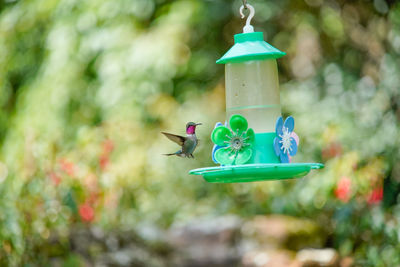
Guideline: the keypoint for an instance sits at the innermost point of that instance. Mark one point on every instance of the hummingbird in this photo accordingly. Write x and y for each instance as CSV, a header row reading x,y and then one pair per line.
x,y
187,143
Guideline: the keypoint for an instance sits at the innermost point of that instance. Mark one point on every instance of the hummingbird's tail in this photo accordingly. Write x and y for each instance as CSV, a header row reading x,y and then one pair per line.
x,y
178,153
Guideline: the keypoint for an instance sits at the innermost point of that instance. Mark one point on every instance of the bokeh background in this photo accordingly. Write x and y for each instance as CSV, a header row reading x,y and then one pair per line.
x,y
87,86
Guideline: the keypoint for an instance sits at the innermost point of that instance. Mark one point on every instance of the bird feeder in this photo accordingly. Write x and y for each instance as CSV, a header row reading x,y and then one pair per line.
x,y
255,143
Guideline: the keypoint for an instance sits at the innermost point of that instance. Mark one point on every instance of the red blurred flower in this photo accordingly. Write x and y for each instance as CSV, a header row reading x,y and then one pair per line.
x,y
111,200
55,178
94,196
67,166
108,146
375,196
90,182
332,150
86,212
343,189
104,160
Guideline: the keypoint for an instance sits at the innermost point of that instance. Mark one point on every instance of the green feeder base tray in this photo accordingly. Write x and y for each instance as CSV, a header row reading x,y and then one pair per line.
x,y
255,172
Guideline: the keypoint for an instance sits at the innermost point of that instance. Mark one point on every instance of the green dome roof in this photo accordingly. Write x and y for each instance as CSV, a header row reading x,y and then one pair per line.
x,y
250,46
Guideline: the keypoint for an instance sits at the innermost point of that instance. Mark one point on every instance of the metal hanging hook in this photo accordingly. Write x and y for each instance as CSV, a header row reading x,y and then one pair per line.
x,y
247,28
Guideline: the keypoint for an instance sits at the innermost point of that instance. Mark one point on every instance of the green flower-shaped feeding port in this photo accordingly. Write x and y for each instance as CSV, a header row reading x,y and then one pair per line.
x,y
236,144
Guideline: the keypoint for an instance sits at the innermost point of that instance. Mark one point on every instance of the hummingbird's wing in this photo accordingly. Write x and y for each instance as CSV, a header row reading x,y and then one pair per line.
x,y
175,138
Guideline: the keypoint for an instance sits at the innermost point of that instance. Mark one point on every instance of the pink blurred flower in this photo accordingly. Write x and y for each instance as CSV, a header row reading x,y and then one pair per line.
x,y
108,146
90,182
104,160
297,139
111,200
343,189
375,196
94,196
55,178
67,166
332,150
86,212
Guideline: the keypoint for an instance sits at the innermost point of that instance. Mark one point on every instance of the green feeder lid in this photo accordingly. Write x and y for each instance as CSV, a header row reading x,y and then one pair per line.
x,y
250,46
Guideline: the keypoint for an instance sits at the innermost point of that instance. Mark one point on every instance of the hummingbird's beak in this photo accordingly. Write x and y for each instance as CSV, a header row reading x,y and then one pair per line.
x,y
198,124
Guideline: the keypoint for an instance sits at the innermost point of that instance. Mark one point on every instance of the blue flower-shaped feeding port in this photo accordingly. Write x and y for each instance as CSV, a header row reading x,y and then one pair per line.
x,y
284,143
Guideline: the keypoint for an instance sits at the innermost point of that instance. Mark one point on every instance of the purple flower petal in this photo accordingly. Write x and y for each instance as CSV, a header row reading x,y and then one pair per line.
x,y
296,137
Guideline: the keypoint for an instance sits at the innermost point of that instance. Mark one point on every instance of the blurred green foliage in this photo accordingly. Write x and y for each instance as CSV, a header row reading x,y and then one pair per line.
x,y
87,86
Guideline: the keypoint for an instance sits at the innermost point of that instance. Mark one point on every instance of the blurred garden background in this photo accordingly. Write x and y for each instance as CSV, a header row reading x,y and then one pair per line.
x,y
87,86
